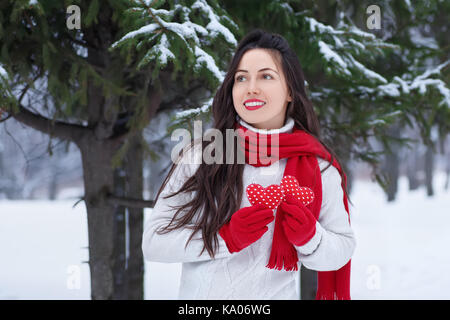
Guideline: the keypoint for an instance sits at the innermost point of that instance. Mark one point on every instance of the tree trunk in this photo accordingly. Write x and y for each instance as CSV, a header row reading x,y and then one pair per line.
x,y
447,175
412,169
135,266
308,284
392,163
392,170
53,185
120,279
429,168
98,181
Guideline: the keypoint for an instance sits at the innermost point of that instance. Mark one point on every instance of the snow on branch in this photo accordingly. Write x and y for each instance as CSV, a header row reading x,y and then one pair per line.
x,y
214,26
331,55
338,46
3,73
203,57
195,111
143,30
367,72
316,26
421,83
163,51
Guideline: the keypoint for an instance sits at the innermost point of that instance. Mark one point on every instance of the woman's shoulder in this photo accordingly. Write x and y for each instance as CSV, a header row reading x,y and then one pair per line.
x,y
330,174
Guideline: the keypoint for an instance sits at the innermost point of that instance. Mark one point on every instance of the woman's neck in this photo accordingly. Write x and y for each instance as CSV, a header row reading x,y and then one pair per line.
x,y
286,128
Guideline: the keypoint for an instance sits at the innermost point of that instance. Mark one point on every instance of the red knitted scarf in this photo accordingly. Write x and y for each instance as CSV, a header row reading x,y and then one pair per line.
x,y
302,150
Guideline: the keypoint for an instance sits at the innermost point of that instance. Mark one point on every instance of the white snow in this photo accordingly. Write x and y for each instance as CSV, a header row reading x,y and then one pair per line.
x,y
417,38
329,55
357,44
421,83
404,85
204,58
185,30
360,33
150,28
3,73
162,48
194,111
436,70
342,40
316,26
401,248
367,72
390,89
214,26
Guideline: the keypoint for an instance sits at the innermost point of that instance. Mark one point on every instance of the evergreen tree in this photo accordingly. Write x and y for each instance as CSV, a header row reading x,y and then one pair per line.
x,y
100,85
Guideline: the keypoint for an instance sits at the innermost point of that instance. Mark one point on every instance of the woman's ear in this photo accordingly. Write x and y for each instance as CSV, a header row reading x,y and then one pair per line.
x,y
289,98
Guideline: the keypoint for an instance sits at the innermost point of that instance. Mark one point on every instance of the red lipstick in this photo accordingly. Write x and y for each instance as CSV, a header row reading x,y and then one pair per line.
x,y
254,107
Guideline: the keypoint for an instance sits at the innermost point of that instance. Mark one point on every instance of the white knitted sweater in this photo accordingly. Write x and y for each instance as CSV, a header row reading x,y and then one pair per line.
x,y
244,275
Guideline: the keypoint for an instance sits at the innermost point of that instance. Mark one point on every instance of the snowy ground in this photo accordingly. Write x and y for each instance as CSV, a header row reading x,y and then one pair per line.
x,y
401,248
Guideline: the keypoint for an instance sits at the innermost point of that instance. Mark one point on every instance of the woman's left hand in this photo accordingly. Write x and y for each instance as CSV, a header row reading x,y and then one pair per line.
x,y
299,223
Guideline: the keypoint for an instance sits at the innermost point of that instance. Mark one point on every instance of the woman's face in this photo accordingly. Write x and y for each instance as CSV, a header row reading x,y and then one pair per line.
x,y
258,77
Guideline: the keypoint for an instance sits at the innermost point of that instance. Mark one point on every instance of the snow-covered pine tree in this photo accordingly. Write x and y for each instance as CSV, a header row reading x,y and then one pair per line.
x,y
100,85
197,37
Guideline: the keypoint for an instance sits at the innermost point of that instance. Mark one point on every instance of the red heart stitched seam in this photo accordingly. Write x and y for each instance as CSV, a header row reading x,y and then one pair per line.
x,y
272,195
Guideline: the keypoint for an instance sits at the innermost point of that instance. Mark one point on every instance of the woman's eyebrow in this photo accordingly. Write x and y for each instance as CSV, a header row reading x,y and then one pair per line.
x,y
258,71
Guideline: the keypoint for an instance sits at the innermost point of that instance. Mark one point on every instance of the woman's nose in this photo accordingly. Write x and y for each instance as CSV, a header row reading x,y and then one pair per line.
x,y
252,87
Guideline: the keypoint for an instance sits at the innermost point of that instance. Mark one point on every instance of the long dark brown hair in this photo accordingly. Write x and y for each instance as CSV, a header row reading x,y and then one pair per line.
x,y
218,187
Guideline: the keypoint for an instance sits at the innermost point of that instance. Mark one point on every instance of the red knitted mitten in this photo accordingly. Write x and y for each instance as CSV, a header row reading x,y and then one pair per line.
x,y
246,225
299,223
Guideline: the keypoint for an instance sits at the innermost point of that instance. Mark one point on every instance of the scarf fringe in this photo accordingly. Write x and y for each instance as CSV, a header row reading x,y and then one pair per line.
x,y
277,260
331,295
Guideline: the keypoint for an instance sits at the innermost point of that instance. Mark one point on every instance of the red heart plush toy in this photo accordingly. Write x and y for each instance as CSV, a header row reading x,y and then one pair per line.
x,y
272,195
289,185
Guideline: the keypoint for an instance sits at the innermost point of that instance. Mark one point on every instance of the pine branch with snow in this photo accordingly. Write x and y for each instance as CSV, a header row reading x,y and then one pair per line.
x,y
193,36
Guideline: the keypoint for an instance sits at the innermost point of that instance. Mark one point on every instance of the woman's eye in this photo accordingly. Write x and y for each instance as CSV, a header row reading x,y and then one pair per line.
x,y
238,78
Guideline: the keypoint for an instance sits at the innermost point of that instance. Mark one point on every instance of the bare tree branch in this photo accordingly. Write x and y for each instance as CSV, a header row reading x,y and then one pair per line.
x,y
130,202
58,129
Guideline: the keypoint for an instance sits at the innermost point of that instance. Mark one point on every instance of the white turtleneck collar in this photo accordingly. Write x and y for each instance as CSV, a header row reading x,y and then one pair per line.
x,y
287,128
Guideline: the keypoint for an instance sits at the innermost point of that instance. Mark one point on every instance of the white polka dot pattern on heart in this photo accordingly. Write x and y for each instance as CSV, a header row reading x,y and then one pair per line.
x,y
274,194
270,196
290,185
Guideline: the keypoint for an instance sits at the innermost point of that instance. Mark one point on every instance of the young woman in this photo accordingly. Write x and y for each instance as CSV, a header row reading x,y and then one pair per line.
x,y
231,248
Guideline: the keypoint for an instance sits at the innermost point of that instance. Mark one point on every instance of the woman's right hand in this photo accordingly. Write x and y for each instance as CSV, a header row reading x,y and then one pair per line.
x,y
246,225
